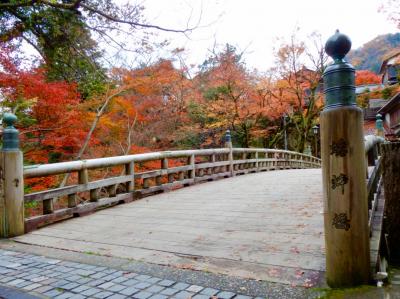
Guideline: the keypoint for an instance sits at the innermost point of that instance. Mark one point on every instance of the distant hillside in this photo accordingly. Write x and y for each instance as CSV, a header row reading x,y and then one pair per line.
x,y
369,56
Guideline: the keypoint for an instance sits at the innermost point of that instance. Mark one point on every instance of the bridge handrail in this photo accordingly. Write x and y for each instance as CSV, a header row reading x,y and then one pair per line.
x,y
197,166
40,170
371,141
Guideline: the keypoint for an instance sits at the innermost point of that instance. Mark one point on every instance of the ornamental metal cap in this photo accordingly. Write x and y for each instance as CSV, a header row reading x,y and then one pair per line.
x,y
379,122
228,136
10,134
339,77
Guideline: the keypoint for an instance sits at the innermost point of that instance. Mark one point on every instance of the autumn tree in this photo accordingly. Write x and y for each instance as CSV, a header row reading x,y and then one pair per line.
x,y
51,130
298,73
67,35
228,97
364,77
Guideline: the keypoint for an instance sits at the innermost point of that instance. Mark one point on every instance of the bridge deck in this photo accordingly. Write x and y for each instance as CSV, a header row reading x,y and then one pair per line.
x,y
266,226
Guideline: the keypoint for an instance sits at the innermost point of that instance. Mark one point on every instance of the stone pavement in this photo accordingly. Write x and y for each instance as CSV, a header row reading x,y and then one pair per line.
x,y
52,278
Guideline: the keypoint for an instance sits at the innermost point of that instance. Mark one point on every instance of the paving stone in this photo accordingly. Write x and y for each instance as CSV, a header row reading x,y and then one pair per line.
x,y
117,296
109,271
129,291
48,281
116,288
70,286
95,283
143,277
142,285
106,285
84,280
194,288
119,279
201,296
37,278
15,282
155,289
98,269
5,271
142,295
130,282
181,286
242,297
103,294
6,279
43,289
31,286
23,284
169,291
183,295
110,277
66,295
158,296
91,292
166,283
225,295
209,291
82,272
78,296
59,283
153,280
130,275
98,275
74,278
53,293
80,289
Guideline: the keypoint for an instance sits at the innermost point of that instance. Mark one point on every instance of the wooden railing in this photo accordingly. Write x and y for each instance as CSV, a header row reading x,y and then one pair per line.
x,y
190,167
375,200
374,174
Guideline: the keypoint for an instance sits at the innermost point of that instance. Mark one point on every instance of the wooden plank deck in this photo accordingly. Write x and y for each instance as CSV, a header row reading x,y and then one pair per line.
x,y
266,226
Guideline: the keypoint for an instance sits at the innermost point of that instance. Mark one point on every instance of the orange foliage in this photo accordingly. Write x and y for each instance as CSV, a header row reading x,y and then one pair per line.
x,y
364,77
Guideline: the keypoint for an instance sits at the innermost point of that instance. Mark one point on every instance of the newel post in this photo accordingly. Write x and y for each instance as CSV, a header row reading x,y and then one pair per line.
x,y
379,125
12,181
228,144
343,171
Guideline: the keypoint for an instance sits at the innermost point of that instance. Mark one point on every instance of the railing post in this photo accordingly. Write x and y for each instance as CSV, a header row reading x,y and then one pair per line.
x,y
130,170
343,169
12,182
192,163
228,144
379,126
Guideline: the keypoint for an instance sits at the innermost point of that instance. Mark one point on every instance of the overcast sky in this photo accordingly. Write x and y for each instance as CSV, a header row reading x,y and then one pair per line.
x,y
254,25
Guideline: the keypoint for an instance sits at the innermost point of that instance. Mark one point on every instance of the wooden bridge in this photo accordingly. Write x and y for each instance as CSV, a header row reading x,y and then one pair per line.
x,y
266,225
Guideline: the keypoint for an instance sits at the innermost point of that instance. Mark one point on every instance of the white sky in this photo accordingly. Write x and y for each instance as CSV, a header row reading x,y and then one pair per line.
x,y
254,25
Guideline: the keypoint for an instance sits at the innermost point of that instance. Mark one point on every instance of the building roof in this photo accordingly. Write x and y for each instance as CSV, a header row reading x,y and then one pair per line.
x,y
377,103
389,105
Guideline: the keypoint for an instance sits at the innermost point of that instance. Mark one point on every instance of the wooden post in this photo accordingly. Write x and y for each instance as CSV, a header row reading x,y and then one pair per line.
x,y
391,185
343,170
12,182
191,162
130,170
228,144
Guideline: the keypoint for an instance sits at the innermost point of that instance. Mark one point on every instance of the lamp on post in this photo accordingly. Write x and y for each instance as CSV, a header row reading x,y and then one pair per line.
x,y
316,131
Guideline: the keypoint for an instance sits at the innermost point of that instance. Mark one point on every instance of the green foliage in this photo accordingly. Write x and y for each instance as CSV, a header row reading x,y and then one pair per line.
x,y
60,36
386,93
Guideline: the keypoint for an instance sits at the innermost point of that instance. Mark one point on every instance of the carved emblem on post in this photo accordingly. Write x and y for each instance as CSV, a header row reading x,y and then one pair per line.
x,y
340,221
339,181
339,148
